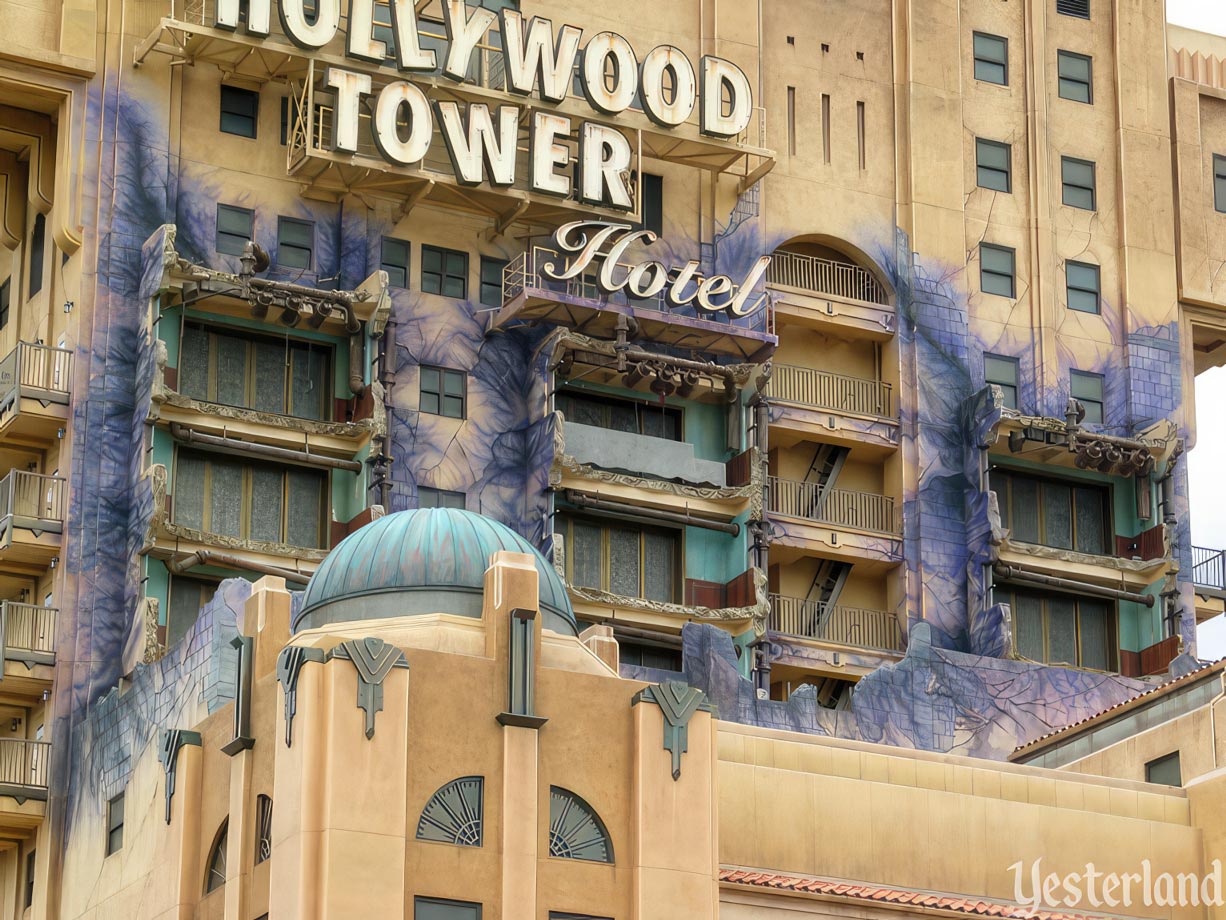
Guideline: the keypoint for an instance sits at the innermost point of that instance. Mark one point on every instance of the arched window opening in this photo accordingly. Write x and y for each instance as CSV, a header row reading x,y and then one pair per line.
x,y
813,266
263,828
575,830
216,876
454,813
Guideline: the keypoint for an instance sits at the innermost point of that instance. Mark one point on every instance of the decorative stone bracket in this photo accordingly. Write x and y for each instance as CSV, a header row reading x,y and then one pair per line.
x,y
678,702
172,741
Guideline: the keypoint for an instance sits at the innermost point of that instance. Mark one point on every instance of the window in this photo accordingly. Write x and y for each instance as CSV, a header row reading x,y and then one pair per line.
x,y
629,560
439,498
4,302
439,909
1164,771
1078,8
394,259
575,830
1219,183
1002,371
1078,183
282,376
263,828
1076,73
491,281
235,227
443,392
646,655
295,242
1082,282
29,879
215,876
653,203
288,104
239,111
1062,629
1087,389
650,419
38,246
114,825
187,598
1067,514
996,270
454,813
444,271
249,499
991,58
993,165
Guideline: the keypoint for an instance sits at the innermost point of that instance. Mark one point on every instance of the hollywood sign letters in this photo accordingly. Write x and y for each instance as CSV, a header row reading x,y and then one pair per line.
x,y
482,143
590,240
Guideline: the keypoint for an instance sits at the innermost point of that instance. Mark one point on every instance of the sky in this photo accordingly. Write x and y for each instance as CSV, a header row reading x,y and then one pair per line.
x,y
1205,462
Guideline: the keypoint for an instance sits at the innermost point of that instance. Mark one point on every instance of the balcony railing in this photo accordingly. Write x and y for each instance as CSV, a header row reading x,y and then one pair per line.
x,y
841,507
27,632
825,390
871,629
24,768
825,276
32,497
524,271
39,370
1209,568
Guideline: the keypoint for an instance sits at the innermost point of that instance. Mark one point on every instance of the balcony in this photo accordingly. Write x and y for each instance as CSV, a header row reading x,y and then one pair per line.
x,y
838,524
809,404
34,391
27,633
24,768
528,294
824,293
31,519
1209,581
875,630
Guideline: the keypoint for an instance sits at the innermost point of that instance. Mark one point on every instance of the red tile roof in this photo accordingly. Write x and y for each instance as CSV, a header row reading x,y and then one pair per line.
x,y
964,904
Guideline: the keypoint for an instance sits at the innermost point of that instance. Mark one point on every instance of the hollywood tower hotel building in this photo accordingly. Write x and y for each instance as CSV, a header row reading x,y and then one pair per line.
x,y
839,356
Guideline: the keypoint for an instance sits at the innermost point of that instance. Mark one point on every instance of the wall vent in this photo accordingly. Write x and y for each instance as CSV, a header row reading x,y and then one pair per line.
x,y
1080,8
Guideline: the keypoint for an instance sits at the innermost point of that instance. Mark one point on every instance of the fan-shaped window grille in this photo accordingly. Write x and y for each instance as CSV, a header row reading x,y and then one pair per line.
x,y
575,830
263,828
454,813
216,877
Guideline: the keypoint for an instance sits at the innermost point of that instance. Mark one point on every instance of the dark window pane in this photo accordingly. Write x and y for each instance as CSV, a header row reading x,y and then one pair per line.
x,y
266,496
394,259
1083,286
1165,770
991,58
444,271
305,501
1024,510
239,111
38,253
1058,515
439,498
295,242
231,374
1091,521
624,562
225,497
189,491
187,595
194,363
659,566
1076,82
1028,613
1219,183
234,229
309,381
491,281
437,909
993,166
653,203
269,377
1078,183
585,551
1092,619
1061,630
996,270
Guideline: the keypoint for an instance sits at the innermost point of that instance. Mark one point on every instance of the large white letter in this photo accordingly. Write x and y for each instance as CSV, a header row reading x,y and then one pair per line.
x,y
350,88
665,111
259,15
463,34
547,154
409,54
310,36
605,49
716,74
360,40
604,163
393,99
472,141
536,58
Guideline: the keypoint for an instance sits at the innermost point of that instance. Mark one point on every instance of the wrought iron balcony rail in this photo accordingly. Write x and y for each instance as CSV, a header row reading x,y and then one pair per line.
x,y
32,497
825,390
524,272
37,371
858,626
841,507
24,768
825,276
1209,568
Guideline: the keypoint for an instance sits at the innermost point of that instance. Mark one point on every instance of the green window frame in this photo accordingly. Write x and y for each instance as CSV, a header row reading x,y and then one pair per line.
x,y
443,392
1075,73
1063,629
295,242
993,165
1087,389
249,499
491,281
1064,513
991,54
1219,183
279,376
626,559
997,270
440,498
240,111
395,258
444,272
1078,183
1083,285
635,416
235,228
1165,770
1002,371
114,825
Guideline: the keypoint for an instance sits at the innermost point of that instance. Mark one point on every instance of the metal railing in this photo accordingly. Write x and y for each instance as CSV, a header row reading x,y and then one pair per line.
x,y
825,390
35,367
32,496
27,628
858,626
524,271
1209,568
24,763
842,507
825,276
